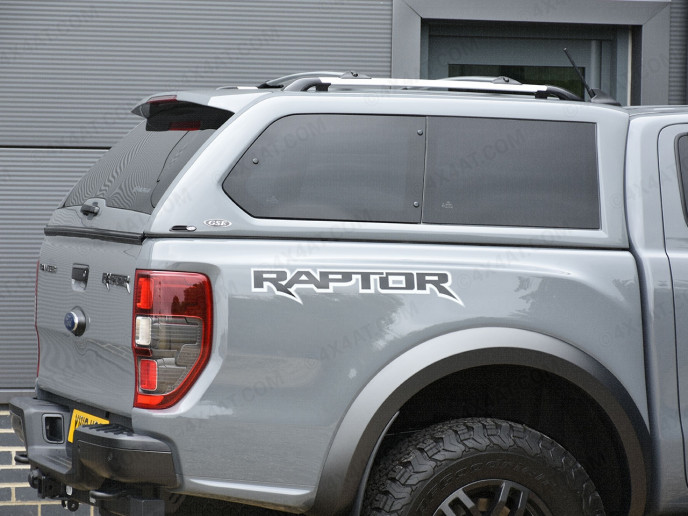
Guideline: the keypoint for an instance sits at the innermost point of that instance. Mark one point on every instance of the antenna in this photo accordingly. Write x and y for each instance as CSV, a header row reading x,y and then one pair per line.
x,y
590,91
596,96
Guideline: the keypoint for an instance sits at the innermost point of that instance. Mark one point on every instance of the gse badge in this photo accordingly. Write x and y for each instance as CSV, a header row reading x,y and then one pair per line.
x,y
217,223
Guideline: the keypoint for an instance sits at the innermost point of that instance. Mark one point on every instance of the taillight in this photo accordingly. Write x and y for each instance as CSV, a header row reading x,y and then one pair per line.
x,y
171,336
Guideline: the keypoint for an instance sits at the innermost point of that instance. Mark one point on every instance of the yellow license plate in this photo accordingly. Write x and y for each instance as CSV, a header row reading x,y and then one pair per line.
x,y
83,418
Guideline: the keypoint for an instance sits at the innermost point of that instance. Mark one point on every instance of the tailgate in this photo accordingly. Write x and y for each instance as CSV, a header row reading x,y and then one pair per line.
x,y
84,320
87,268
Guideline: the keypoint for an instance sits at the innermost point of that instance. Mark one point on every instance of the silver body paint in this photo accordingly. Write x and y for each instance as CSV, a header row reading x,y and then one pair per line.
x,y
300,370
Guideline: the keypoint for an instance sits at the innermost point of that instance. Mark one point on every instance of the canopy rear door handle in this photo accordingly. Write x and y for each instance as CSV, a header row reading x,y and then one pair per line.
x,y
90,209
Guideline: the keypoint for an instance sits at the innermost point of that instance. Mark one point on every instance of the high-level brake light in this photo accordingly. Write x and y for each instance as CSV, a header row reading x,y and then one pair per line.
x,y
162,98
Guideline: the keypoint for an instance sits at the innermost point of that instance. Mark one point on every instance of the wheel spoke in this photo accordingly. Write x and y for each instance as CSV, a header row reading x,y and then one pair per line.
x,y
468,504
506,498
445,510
464,501
522,503
503,497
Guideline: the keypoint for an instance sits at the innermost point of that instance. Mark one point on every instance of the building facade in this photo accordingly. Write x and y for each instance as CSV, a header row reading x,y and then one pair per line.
x,y
71,71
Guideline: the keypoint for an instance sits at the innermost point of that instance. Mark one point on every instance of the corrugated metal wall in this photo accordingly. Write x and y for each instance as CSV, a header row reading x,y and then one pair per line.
x,y
70,72
32,181
678,40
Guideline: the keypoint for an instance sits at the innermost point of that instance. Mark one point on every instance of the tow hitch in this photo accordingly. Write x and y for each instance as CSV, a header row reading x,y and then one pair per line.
x,y
50,488
122,502
71,505
46,486
125,503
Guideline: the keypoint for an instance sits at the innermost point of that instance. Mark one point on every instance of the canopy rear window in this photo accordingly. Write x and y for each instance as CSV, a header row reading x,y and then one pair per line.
x,y
134,174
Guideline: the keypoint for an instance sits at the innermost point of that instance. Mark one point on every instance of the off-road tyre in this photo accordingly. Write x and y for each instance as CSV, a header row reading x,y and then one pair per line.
x,y
480,466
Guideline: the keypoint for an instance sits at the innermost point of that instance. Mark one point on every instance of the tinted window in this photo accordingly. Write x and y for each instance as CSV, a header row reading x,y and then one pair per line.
x,y
682,154
135,173
503,172
333,167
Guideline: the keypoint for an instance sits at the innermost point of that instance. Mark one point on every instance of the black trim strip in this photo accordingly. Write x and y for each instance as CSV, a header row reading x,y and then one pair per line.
x,y
51,147
107,235
138,238
566,245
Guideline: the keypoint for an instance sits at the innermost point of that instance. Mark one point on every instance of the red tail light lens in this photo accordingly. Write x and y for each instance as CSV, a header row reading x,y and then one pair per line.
x,y
148,375
171,335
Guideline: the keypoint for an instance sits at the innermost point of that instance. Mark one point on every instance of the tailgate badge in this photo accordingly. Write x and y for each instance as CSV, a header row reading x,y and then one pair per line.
x,y
75,321
117,280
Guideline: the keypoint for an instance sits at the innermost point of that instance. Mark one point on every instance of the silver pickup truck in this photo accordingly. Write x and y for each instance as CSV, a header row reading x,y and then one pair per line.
x,y
344,295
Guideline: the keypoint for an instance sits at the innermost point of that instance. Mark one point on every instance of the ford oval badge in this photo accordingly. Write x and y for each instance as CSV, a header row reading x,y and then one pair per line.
x,y
75,321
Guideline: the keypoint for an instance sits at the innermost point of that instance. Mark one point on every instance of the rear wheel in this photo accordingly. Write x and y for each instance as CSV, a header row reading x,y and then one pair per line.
x,y
480,467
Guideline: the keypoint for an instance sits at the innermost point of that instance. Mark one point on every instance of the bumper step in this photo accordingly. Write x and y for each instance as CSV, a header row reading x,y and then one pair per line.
x,y
97,453
116,453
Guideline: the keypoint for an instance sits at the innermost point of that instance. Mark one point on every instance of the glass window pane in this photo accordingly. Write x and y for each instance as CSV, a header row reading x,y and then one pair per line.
x,y
682,155
503,172
333,167
134,174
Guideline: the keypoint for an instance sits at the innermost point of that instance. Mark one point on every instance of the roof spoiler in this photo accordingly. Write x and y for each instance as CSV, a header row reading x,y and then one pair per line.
x,y
170,98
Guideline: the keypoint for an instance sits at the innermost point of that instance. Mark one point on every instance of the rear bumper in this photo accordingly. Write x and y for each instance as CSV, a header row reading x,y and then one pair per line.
x,y
98,452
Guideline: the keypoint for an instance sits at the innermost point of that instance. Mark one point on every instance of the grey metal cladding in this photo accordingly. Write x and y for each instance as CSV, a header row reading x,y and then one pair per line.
x,y
677,60
72,73
32,183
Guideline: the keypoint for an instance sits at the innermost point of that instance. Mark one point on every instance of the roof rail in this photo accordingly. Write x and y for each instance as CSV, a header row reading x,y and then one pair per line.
x,y
501,79
280,82
323,83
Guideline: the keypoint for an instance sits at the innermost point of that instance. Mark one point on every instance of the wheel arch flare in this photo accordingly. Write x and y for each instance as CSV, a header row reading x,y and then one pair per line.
x,y
373,412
